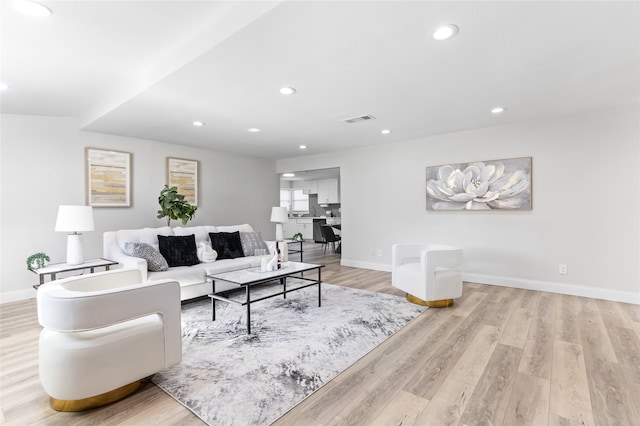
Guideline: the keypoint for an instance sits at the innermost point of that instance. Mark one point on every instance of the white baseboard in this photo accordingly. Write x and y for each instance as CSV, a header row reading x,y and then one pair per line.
x,y
553,287
366,265
548,286
15,296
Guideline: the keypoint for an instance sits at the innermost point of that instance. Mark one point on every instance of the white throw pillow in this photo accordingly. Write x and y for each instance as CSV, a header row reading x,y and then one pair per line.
x,y
205,253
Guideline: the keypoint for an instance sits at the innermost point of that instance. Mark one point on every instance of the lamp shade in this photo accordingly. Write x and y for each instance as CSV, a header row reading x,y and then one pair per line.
x,y
74,219
279,214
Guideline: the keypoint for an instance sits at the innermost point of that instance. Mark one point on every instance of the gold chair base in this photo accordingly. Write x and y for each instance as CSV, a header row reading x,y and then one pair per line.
x,y
99,400
445,303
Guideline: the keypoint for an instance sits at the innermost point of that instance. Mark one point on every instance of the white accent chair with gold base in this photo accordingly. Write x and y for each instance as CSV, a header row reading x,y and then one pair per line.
x,y
427,272
105,335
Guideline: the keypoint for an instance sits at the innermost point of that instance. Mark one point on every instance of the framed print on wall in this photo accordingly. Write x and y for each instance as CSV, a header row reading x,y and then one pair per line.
x,y
108,178
483,185
183,174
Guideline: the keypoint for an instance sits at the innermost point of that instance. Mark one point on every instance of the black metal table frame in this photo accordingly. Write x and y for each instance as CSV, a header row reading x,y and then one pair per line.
x,y
101,263
296,251
248,301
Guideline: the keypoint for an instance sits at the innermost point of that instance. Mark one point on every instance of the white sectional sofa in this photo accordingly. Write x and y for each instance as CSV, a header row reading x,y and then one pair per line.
x,y
192,279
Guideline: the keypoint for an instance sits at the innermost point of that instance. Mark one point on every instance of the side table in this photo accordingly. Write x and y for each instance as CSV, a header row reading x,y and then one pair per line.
x,y
56,268
294,251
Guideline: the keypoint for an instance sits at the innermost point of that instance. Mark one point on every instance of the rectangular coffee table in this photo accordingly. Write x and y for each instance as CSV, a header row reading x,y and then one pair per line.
x,y
252,276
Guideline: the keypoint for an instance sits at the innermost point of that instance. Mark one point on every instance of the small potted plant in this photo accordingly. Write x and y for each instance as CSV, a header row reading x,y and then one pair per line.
x,y
174,206
298,237
37,260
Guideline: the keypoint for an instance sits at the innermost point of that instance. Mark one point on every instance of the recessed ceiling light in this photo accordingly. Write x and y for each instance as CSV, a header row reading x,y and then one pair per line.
x,y
288,174
31,8
288,91
4,86
253,130
385,131
445,32
498,110
198,123
302,147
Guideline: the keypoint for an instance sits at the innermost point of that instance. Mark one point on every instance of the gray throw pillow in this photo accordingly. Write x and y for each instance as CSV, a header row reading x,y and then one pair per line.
x,y
250,242
155,261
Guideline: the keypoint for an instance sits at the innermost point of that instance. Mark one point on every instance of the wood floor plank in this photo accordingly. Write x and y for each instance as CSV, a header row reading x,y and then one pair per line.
x,y
614,386
473,362
610,399
593,333
428,379
567,324
546,308
471,302
529,401
538,350
403,409
529,300
570,397
517,328
490,399
447,406
355,392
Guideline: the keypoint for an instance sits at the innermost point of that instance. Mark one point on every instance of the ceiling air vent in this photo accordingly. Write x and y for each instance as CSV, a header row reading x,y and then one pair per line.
x,y
359,119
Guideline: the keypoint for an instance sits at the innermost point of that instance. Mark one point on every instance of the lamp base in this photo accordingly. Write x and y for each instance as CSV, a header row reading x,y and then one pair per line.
x,y
74,249
279,236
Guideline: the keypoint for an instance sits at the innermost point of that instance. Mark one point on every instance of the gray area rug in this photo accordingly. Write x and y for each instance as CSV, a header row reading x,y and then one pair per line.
x,y
227,377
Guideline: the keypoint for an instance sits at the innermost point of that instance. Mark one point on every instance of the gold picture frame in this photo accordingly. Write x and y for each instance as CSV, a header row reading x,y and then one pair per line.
x,y
183,174
107,178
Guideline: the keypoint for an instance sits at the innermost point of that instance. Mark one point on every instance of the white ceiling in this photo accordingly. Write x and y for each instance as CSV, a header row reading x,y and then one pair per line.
x,y
148,69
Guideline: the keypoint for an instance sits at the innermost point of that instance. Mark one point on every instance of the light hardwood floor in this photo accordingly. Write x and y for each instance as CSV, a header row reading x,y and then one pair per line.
x,y
499,356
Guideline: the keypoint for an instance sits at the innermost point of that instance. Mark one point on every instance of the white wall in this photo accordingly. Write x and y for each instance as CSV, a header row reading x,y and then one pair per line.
x,y
42,162
585,214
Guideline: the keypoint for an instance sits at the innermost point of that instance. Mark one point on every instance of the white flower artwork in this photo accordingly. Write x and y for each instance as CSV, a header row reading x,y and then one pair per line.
x,y
483,185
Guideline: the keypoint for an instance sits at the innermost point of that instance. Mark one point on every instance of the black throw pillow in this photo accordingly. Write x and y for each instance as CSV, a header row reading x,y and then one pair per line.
x,y
179,250
227,244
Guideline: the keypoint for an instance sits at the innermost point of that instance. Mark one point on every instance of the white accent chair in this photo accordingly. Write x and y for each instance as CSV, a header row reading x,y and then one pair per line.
x,y
104,334
427,272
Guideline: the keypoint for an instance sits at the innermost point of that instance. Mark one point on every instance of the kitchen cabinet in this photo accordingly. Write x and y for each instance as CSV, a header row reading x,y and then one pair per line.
x,y
305,227
289,228
310,187
328,191
299,225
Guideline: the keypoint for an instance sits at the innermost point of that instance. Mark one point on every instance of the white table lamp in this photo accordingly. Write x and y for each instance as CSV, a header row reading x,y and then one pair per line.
x,y
279,215
74,219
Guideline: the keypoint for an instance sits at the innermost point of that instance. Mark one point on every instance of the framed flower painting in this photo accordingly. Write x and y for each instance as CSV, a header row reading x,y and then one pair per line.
x,y
483,185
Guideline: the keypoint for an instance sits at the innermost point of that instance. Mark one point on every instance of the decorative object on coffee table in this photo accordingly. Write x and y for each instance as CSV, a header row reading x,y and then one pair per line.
x,y
297,237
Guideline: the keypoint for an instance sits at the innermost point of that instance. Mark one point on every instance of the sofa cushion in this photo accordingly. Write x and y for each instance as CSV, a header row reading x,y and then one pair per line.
x,y
179,250
233,228
227,265
155,261
251,241
201,232
185,275
226,244
145,235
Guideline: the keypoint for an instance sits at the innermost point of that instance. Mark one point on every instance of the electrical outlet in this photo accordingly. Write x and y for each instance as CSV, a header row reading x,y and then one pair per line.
x,y
379,253
562,269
